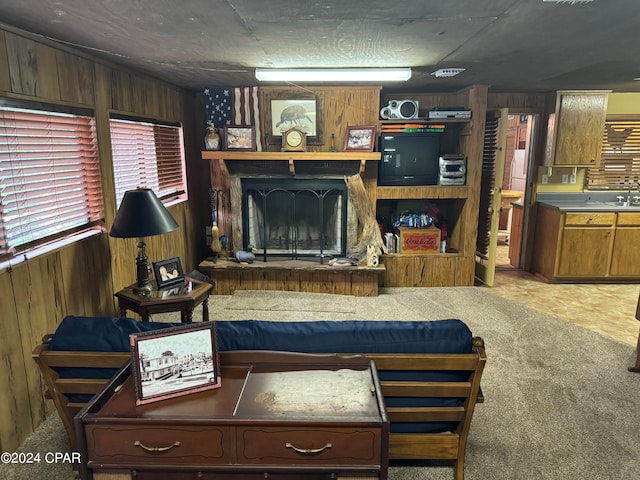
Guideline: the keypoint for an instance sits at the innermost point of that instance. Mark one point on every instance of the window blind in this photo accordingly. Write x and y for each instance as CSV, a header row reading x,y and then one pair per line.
x,y
620,163
148,155
49,177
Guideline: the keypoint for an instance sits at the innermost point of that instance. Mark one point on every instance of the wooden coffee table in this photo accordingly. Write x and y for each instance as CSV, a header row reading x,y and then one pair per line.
x,y
277,415
183,298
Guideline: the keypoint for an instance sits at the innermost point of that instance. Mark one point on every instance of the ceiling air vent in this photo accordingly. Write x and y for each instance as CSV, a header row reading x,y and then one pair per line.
x,y
570,2
447,72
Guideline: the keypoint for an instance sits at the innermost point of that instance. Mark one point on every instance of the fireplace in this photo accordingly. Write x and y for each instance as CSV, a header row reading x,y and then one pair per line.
x,y
295,217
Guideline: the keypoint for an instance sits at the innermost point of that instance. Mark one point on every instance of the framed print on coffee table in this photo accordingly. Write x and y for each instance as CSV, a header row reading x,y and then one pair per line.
x,y
175,361
360,139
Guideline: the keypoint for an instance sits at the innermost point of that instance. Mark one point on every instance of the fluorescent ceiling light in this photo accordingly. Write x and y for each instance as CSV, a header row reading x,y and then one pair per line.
x,y
333,74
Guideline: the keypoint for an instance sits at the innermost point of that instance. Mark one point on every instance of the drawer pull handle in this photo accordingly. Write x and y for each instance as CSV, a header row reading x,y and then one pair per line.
x,y
138,443
307,450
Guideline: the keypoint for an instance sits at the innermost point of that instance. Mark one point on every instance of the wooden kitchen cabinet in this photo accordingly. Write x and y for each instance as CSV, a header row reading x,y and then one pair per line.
x,y
625,257
584,251
578,127
600,245
571,245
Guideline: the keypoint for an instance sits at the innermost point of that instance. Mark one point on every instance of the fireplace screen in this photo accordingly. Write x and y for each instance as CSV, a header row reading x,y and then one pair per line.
x,y
295,217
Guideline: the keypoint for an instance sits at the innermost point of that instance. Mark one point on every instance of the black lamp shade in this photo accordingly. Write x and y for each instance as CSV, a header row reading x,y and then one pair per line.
x,y
141,214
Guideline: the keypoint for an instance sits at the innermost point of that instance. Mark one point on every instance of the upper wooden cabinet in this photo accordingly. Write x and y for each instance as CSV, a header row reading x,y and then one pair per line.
x,y
578,128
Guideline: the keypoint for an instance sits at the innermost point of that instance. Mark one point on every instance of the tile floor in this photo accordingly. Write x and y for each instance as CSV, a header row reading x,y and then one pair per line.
x,y
608,309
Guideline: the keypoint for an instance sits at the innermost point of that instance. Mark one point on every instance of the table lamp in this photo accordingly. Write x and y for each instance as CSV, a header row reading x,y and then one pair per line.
x,y
142,214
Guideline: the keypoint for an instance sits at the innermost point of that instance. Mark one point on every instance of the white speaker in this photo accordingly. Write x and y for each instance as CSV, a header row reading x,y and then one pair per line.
x,y
400,109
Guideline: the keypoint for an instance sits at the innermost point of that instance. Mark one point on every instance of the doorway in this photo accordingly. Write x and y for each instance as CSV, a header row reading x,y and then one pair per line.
x,y
515,191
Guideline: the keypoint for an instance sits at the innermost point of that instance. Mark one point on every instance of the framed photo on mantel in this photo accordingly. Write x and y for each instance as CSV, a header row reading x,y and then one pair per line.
x,y
360,139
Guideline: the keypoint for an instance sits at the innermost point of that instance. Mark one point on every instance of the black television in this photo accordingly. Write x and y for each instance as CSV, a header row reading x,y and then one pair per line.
x,y
409,158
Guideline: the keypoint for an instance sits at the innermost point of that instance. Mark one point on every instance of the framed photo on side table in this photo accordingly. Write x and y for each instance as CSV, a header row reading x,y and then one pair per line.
x,y
175,361
168,272
360,139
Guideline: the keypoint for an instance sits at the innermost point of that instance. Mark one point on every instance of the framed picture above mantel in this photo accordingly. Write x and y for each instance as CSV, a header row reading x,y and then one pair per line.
x,y
286,109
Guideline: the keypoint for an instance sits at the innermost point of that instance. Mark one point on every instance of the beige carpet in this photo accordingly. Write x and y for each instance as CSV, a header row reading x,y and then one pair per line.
x,y
244,301
560,403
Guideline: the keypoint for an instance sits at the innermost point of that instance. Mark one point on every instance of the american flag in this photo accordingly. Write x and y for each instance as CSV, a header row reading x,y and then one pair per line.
x,y
234,106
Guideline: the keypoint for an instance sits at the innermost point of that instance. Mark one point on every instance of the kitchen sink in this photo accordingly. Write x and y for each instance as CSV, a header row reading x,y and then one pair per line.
x,y
597,203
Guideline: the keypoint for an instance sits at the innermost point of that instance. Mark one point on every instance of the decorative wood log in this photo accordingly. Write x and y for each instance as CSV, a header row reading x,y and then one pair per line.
x,y
366,216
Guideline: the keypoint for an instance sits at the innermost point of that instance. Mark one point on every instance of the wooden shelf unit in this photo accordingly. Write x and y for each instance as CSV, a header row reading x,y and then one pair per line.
x,y
459,203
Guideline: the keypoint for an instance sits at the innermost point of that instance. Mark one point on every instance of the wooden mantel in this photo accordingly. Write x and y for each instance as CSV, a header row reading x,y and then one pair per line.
x,y
293,157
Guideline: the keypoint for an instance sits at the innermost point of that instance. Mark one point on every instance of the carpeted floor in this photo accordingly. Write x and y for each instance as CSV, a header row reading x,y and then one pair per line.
x,y
560,403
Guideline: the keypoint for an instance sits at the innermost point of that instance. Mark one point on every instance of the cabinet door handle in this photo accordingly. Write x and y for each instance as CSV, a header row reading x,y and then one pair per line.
x,y
307,450
138,443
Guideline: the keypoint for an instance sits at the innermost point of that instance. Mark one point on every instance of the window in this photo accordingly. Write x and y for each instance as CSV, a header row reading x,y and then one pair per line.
x,y
620,162
148,155
49,175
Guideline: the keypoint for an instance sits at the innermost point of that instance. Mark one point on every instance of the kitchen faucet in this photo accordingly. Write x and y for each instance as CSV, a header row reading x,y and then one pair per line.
x,y
631,182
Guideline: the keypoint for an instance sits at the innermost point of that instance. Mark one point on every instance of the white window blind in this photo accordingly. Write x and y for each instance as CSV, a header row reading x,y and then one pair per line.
x,y
620,162
49,177
148,155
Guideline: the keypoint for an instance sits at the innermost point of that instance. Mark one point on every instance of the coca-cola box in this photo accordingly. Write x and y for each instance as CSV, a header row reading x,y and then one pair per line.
x,y
419,240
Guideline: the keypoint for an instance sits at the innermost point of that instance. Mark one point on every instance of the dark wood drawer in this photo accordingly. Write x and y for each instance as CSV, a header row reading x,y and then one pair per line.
x,y
169,444
309,446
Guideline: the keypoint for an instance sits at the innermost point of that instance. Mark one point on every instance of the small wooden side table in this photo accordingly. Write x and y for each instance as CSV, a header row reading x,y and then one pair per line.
x,y
182,298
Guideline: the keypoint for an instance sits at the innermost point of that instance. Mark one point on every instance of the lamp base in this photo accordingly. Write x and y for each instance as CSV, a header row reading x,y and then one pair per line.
x,y
143,291
143,284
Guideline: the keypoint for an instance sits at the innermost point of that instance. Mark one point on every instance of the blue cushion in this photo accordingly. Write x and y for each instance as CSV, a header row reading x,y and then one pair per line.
x,y
99,334
352,336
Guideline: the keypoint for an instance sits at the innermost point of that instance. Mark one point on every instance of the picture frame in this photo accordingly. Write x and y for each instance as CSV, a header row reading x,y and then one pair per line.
x,y
360,138
285,109
168,272
175,361
239,138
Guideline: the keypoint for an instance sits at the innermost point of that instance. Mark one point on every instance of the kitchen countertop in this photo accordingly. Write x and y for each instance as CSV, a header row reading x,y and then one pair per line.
x,y
587,202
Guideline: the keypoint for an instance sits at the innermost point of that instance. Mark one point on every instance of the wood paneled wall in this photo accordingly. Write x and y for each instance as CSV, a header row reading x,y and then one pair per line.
x,y
80,279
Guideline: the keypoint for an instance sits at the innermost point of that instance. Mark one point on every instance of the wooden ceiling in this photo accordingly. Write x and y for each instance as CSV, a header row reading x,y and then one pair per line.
x,y
511,45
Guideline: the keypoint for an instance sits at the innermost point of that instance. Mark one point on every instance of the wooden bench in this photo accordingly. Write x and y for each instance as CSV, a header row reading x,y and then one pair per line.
x,y
449,445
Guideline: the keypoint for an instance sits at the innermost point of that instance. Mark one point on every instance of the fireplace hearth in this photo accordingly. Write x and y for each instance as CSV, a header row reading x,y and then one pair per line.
x,y
294,218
